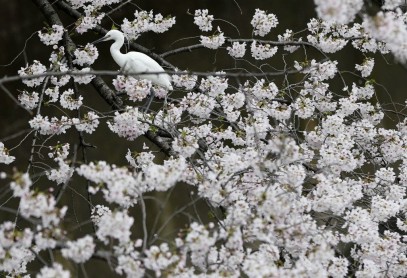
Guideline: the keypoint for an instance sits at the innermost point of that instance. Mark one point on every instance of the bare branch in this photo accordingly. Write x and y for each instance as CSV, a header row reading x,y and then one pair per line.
x,y
275,43
13,78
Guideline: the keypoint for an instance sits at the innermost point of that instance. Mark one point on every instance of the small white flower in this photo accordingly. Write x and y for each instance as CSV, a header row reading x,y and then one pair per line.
x,y
52,35
136,89
288,36
214,41
80,250
262,51
67,101
85,78
146,21
86,56
392,4
49,127
128,124
34,69
29,100
366,67
214,85
114,225
56,271
91,19
338,11
263,22
237,50
4,156
203,20
186,81
53,93
88,124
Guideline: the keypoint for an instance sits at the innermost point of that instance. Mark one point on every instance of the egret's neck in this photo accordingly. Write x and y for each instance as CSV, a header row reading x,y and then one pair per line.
x,y
115,51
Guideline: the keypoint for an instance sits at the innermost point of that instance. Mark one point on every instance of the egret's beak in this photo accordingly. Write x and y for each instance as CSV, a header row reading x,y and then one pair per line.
x,y
99,40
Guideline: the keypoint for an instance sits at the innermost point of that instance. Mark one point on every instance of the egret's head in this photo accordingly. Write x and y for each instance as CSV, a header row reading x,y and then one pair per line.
x,y
111,35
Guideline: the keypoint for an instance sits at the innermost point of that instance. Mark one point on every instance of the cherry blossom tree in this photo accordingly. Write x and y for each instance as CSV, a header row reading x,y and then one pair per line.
x,y
290,168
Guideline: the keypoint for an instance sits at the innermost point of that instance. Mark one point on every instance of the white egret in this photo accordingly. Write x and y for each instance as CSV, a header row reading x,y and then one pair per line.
x,y
136,62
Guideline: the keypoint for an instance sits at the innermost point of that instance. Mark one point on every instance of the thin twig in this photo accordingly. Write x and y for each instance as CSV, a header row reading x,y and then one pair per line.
x,y
274,43
66,183
144,222
15,135
14,99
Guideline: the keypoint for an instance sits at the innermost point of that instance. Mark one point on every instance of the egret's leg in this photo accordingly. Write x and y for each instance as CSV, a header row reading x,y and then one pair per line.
x,y
166,100
146,106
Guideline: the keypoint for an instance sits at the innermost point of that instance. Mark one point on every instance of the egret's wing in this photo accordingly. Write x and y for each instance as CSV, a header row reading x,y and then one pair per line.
x,y
143,63
133,65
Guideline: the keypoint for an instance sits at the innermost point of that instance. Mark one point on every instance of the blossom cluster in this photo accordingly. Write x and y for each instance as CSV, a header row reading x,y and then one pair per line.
x,y
86,56
56,270
90,20
203,20
76,4
15,251
92,15
88,123
287,37
119,184
169,118
128,124
215,41
83,78
80,250
58,63
214,85
184,81
29,100
392,4
64,171
366,67
45,126
262,22
68,101
56,126
389,27
34,69
136,89
237,50
4,155
52,93
146,21
342,11
262,51
52,35
329,37
199,105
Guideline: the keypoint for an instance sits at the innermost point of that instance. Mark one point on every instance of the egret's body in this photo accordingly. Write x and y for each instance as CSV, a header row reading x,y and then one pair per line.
x,y
136,62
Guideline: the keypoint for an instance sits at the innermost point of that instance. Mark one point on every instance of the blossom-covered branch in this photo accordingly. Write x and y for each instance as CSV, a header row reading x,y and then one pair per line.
x,y
279,161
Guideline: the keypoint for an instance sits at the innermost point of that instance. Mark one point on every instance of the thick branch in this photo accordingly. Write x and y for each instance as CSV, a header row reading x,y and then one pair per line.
x,y
107,94
163,144
49,12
